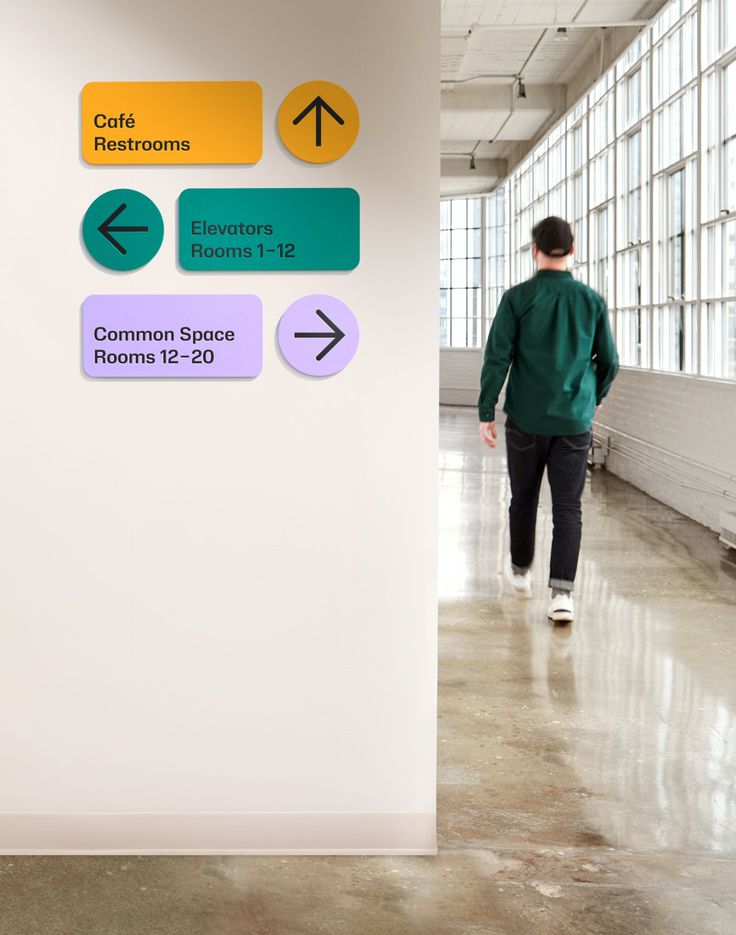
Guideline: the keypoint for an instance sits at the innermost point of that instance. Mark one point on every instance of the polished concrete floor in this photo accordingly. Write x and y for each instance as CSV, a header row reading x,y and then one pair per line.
x,y
587,774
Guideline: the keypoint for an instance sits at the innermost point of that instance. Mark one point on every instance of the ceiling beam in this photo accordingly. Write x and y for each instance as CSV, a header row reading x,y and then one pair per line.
x,y
501,98
459,31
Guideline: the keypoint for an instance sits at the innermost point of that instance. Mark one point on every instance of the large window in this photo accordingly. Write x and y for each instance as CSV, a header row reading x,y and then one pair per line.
x,y
577,188
473,253
460,272
644,168
497,248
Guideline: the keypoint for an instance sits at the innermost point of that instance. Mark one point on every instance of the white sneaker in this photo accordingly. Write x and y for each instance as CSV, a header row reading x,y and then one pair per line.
x,y
521,584
561,609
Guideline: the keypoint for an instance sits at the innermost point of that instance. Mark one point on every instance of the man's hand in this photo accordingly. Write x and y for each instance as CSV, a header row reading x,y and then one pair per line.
x,y
488,433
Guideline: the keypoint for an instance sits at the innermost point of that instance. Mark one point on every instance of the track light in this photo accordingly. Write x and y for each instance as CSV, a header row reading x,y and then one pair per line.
x,y
520,88
472,162
562,35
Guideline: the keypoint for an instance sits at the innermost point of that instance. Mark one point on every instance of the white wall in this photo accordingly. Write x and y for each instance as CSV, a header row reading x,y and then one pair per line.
x,y
674,436
218,596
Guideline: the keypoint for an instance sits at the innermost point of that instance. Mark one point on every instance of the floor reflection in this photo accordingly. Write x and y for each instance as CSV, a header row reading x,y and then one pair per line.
x,y
635,702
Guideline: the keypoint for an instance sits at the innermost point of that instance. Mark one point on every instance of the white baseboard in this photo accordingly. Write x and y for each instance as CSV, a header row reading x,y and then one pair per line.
x,y
216,833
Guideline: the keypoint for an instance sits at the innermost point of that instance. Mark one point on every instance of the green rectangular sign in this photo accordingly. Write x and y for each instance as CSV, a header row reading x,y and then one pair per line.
x,y
269,229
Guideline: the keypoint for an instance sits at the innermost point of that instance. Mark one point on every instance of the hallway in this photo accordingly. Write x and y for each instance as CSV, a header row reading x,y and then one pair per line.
x,y
599,758
586,778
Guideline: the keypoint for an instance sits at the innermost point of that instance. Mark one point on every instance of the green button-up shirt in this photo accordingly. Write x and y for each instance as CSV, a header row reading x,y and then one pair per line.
x,y
553,333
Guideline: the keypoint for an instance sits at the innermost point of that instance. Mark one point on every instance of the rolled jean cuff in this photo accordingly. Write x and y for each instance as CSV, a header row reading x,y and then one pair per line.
x,y
561,585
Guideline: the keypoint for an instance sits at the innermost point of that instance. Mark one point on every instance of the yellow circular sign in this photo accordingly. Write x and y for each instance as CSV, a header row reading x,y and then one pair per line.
x,y
318,121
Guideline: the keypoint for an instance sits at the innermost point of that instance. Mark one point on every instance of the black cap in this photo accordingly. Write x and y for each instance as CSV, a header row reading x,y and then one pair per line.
x,y
553,236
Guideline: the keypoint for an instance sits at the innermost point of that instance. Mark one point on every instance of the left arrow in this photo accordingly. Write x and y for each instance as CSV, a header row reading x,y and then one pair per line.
x,y
118,245
107,226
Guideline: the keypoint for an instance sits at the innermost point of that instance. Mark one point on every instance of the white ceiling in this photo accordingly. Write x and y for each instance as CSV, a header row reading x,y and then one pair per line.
x,y
486,44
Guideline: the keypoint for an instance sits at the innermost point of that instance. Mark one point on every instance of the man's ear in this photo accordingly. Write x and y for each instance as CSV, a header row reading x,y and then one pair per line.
x,y
572,250
535,251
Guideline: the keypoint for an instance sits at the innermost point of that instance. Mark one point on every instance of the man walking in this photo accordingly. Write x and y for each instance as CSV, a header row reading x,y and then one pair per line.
x,y
553,332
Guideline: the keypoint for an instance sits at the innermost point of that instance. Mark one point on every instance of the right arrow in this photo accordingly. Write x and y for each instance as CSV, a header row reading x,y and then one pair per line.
x,y
336,334
318,105
106,227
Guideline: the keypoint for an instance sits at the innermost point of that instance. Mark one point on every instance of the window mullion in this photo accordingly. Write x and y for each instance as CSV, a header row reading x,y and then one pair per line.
x,y
483,269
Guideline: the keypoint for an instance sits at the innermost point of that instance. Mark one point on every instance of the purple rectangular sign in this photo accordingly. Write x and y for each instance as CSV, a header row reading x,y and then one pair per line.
x,y
172,336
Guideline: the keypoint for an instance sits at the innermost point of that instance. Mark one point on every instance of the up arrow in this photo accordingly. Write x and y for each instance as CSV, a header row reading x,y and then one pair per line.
x,y
336,334
318,105
106,227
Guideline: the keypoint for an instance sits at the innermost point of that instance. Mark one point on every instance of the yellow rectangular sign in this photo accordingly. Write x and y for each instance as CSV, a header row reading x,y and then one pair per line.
x,y
172,122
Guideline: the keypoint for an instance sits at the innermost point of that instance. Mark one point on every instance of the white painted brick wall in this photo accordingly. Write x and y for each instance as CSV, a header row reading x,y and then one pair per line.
x,y
654,421
460,376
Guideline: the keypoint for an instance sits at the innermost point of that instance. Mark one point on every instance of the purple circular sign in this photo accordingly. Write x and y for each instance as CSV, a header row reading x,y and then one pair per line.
x,y
318,335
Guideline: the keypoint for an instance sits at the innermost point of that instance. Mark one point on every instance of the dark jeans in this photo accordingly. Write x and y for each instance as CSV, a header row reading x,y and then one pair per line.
x,y
565,457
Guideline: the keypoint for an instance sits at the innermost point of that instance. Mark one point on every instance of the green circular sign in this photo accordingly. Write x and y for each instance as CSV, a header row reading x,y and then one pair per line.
x,y
122,229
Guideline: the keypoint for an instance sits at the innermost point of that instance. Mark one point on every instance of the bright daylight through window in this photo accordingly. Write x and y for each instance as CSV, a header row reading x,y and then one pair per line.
x,y
644,167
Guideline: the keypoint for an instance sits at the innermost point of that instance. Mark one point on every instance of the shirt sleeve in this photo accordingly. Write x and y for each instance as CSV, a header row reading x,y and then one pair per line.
x,y
497,359
604,355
